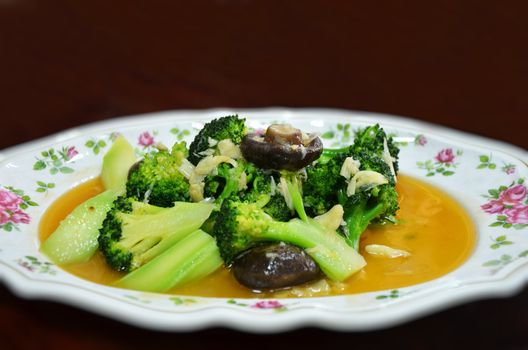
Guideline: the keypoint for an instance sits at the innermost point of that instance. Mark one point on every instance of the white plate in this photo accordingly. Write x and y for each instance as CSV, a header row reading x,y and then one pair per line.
x,y
477,168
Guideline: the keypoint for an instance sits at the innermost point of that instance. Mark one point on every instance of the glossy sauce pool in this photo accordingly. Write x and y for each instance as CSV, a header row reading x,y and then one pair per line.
x,y
433,227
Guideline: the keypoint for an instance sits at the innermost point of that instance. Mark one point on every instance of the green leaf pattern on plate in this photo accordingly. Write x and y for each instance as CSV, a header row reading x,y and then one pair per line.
x,y
95,145
486,163
56,160
33,264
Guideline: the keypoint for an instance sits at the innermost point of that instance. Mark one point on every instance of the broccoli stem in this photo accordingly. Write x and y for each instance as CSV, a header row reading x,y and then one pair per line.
x,y
335,151
232,177
169,224
295,192
329,250
192,258
357,221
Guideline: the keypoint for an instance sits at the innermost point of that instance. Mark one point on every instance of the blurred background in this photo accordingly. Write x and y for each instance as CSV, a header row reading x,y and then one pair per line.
x,y
461,64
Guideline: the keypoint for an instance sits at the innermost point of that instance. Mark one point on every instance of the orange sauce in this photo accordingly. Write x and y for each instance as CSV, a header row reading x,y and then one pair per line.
x,y
432,226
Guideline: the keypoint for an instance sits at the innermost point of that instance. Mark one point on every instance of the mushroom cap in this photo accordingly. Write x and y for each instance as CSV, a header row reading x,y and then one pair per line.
x,y
274,266
280,156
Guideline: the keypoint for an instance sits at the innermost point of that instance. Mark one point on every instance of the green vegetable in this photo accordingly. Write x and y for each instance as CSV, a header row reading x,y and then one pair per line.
x,y
116,164
325,187
240,226
377,203
365,207
229,127
225,182
277,208
371,140
134,232
322,180
370,203
292,192
261,187
190,259
157,179
75,240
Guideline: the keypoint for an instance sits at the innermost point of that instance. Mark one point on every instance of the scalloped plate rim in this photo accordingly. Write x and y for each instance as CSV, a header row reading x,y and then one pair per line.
x,y
297,317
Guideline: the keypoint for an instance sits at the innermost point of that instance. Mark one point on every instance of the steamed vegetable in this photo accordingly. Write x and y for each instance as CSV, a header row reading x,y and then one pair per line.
x,y
116,164
190,259
225,181
226,128
158,180
361,178
134,232
75,240
240,226
322,180
276,207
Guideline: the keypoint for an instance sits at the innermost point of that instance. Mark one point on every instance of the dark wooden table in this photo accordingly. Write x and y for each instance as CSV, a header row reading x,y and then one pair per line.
x,y
462,64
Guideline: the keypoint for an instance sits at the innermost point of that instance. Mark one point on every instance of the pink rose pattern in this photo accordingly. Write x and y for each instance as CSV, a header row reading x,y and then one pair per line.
x,y
445,156
517,215
13,202
71,152
261,305
513,195
420,140
267,304
509,169
146,139
444,163
493,207
510,204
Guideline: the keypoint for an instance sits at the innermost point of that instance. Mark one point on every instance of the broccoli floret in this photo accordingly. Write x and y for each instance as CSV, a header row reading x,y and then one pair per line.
x,y
231,127
369,203
213,186
134,232
225,181
277,208
370,161
259,182
180,150
322,180
157,180
325,187
240,226
371,139
377,204
260,188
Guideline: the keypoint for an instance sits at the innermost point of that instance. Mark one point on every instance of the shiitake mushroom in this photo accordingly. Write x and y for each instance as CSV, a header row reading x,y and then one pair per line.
x,y
274,266
283,147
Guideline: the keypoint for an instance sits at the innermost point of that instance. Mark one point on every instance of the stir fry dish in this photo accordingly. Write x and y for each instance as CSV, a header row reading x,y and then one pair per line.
x,y
273,206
